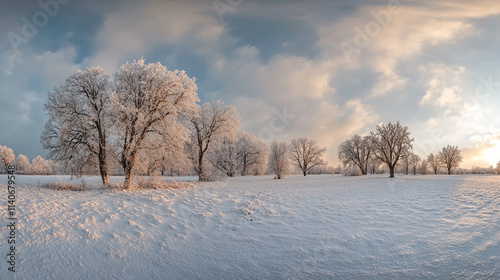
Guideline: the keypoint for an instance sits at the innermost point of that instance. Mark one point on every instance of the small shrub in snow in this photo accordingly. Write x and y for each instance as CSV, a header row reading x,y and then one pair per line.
x,y
355,171
155,183
63,186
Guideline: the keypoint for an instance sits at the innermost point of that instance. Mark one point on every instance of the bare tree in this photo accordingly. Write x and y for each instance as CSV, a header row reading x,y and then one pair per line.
x,y
356,150
390,142
498,168
213,122
306,154
434,162
7,156
76,132
373,164
450,157
414,162
147,109
252,153
405,161
278,159
424,167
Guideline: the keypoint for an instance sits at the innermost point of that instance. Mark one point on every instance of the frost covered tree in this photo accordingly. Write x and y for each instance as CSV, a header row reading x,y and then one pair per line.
x,y
390,142
358,151
41,166
434,162
22,162
7,156
306,154
278,159
148,107
225,158
252,154
76,132
240,155
209,126
450,157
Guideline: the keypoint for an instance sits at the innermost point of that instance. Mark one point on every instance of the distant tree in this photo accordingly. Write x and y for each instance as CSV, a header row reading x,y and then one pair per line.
x,y
450,157
40,166
498,168
373,164
424,164
405,161
7,156
434,162
278,159
148,108
358,151
390,142
306,154
22,162
213,122
414,162
76,132
252,153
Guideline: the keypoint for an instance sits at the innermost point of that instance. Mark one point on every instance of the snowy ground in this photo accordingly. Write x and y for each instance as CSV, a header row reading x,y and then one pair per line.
x,y
318,227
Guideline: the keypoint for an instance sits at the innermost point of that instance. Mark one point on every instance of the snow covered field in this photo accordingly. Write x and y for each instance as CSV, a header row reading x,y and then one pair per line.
x,y
317,227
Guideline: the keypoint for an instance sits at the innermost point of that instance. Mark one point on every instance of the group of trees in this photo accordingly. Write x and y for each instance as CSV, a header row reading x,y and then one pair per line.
x,y
303,153
39,165
391,145
146,120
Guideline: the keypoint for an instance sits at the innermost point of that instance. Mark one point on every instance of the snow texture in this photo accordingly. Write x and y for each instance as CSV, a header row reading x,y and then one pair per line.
x,y
315,227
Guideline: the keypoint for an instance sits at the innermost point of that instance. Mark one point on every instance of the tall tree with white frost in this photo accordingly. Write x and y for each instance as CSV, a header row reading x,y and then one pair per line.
x,y
147,109
306,154
213,122
357,150
7,156
278,159
450,157
390,142
76,132
434,162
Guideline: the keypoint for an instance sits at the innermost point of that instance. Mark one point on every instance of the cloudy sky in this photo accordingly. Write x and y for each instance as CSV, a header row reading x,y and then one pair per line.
x,y
322,69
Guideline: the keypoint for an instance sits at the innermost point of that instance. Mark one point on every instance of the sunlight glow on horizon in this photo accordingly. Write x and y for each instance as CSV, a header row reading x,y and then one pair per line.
x,y
492,155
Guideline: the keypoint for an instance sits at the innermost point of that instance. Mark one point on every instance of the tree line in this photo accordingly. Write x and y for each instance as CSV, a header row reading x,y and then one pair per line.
x,y
390,145
147,120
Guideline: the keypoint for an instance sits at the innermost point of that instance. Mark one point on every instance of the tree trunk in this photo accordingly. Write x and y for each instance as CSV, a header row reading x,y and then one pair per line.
x,y
449,170
391,169
128,177
103,169
304,173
